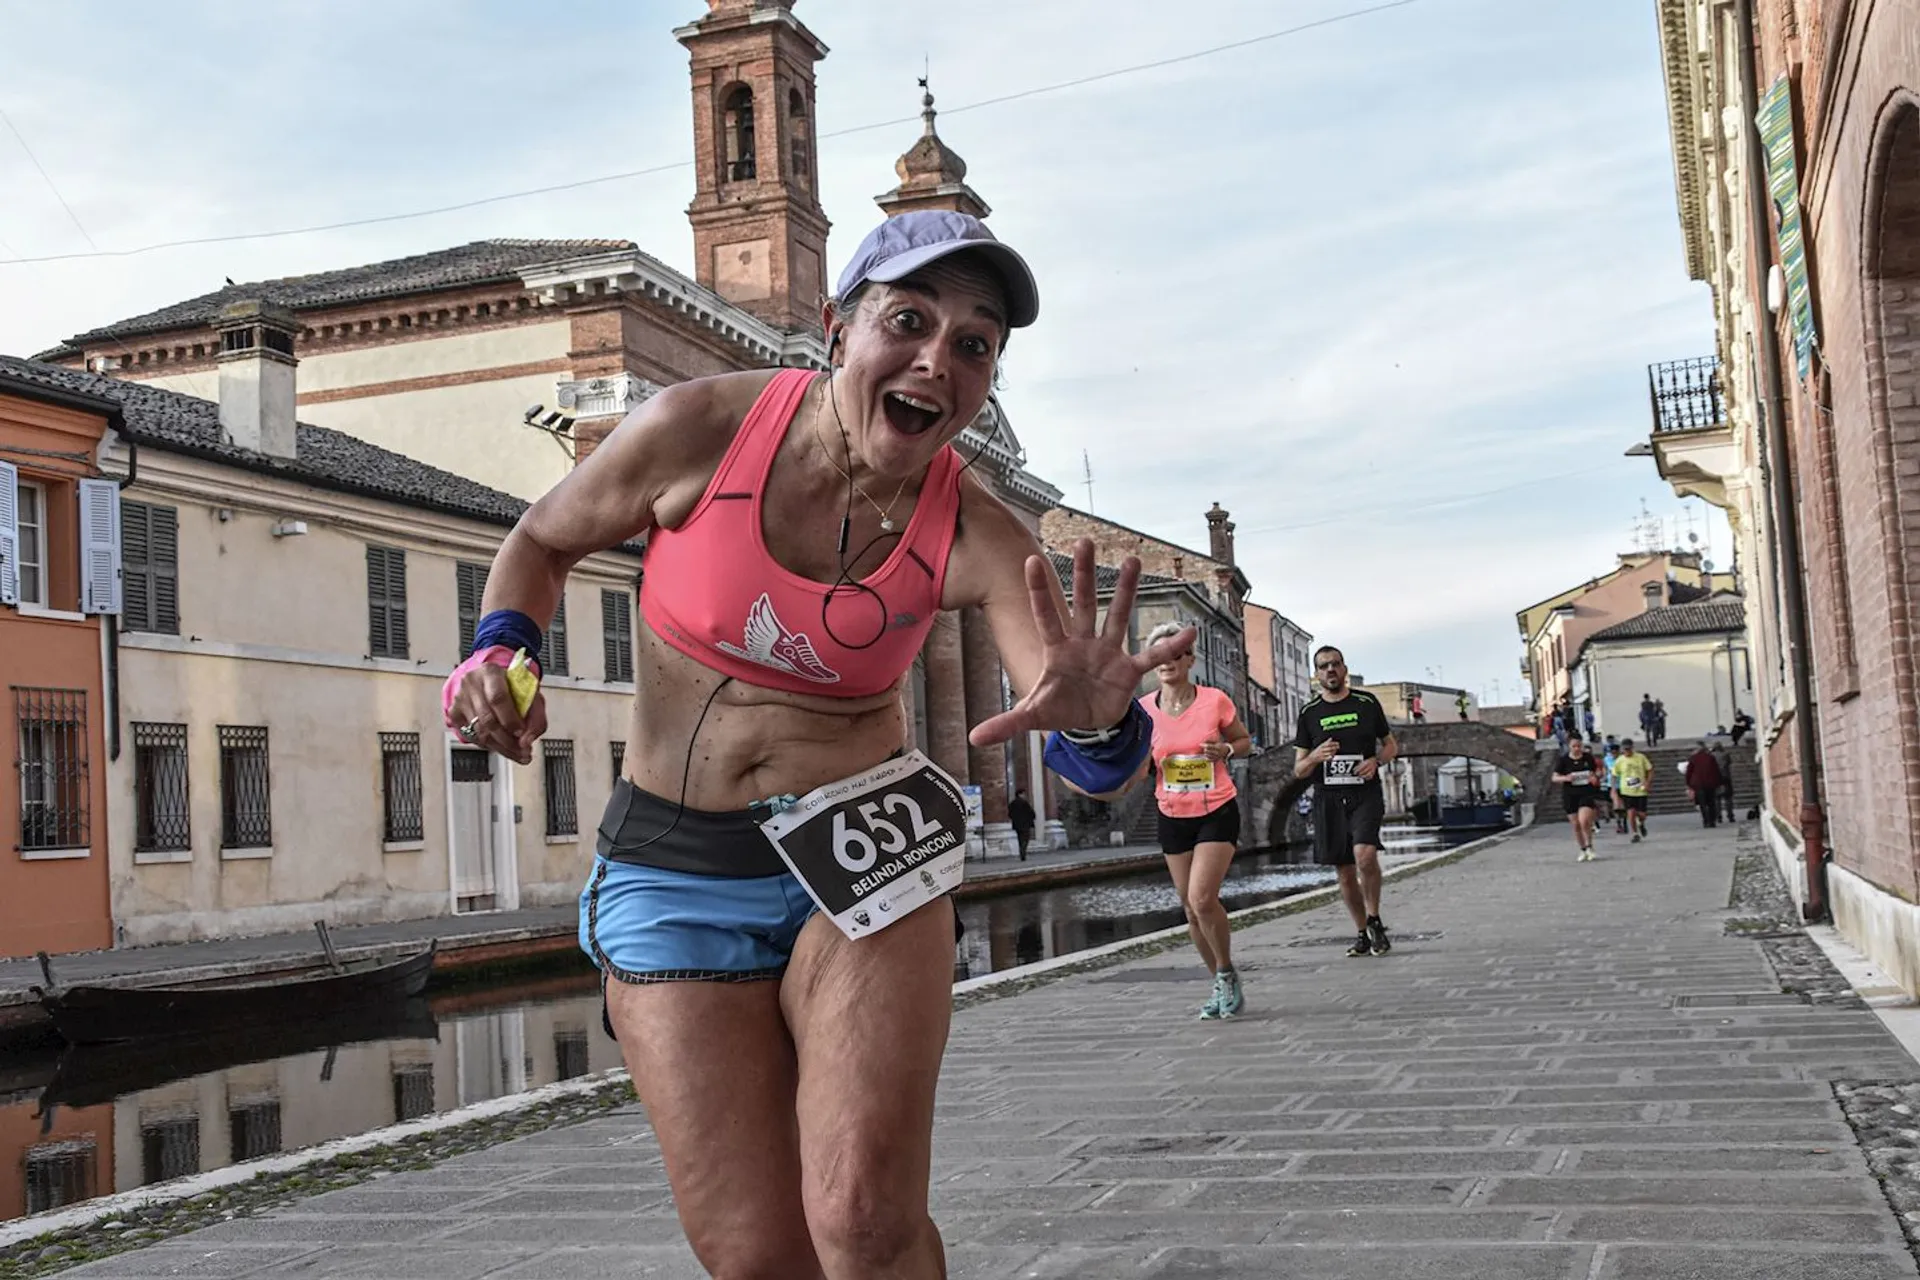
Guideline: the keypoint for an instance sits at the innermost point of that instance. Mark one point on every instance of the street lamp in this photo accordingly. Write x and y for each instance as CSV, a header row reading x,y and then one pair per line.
x,y
556,424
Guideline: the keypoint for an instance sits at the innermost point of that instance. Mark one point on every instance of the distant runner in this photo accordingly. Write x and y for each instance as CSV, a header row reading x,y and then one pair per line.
x,y
1343,738
1578,773
1632,773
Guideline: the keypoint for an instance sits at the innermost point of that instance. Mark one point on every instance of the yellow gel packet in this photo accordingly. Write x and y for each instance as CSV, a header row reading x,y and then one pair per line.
x,y
522,682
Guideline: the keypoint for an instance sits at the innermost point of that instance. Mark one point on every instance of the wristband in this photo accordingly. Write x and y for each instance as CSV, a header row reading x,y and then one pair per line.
x,y
1107,762
1095,737
509,628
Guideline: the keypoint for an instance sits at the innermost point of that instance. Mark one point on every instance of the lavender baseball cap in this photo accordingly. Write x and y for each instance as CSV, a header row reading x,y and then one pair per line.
x,y
903,244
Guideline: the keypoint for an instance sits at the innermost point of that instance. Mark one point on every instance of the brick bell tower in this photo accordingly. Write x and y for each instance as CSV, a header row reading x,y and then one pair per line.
x,y
759,233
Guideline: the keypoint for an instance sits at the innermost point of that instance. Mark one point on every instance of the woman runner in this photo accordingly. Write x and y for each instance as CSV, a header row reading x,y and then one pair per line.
x,y
803,531
1578,773
1196,730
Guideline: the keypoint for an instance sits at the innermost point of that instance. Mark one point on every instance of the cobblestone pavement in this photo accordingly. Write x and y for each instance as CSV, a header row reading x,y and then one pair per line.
x,y
1565,1070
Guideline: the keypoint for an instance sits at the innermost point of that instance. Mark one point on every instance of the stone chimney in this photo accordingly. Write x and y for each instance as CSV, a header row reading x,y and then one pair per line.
x,y
1220,535
256,376
1655,594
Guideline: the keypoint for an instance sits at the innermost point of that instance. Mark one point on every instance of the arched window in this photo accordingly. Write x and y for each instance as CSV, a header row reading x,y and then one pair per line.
x,y
739,133
799,154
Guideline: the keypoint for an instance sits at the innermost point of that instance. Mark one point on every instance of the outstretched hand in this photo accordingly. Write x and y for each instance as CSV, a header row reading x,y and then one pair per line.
x,y
1087,677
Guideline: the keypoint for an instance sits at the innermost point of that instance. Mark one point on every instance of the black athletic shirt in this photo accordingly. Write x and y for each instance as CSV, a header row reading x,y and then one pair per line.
x,y
1592,767
1358,724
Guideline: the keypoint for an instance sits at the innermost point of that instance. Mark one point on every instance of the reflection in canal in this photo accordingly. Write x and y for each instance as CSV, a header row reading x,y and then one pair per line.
x,y
1004,933
116,1133
120,1117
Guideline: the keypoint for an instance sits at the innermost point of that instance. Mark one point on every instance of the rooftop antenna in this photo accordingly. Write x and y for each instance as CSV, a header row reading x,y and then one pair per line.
x,y
1086,465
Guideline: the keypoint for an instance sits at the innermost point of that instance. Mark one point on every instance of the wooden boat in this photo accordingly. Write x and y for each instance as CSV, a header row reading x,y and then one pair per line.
x,y
105,1015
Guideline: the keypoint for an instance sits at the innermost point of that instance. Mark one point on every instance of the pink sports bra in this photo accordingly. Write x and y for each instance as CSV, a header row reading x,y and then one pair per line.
x,y
712,590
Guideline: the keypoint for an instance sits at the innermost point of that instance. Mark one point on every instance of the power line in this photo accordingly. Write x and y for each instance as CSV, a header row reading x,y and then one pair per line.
x,y
48,178
78,225
688,164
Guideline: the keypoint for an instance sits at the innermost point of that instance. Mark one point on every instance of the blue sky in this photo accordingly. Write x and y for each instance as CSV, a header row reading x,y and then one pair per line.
x,y
1385,289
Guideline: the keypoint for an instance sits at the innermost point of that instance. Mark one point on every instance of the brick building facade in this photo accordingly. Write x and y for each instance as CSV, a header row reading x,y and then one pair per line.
x,y
436,356
1801,119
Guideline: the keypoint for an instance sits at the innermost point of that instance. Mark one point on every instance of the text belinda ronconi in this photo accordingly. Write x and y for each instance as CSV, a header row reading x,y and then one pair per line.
x,y
913,857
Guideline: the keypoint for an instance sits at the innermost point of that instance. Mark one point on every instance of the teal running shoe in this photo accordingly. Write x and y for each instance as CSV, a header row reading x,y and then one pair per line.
x,y
1232,1001
1211,1009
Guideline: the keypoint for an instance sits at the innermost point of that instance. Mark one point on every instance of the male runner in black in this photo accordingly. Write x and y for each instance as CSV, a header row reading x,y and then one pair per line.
x,y
1343,738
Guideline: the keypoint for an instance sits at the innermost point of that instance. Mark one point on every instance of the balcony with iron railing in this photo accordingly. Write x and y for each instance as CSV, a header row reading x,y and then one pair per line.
x,y
1686,395
1692,439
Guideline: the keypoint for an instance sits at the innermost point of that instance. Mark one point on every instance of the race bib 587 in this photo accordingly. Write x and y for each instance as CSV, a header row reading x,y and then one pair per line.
x,y
1340,771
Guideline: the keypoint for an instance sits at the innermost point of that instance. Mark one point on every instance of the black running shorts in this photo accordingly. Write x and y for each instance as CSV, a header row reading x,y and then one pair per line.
x,y
1184,835
1344,817
1634,804
1579,798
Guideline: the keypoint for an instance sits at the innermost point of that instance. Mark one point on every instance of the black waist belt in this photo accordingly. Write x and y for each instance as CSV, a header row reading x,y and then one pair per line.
x,y
648,831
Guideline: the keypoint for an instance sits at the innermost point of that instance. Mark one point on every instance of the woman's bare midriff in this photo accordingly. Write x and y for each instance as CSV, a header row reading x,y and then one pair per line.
x,y
755,742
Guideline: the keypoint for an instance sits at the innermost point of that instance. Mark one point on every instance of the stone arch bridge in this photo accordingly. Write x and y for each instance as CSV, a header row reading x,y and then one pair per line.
x,y
1272,771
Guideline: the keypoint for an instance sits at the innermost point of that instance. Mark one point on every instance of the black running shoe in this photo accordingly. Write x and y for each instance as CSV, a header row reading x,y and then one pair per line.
x,y
1362,945
1377,933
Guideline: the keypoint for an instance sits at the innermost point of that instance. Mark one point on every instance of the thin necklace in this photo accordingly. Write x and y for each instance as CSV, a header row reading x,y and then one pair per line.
x,y
1183,706
886,518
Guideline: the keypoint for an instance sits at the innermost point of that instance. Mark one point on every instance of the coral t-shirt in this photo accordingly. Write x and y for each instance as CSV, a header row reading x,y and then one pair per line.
x,y
1186,783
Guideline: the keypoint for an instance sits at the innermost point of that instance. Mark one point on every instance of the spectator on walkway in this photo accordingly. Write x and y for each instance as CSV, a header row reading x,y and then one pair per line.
x,y
1461,702
1646,718
1724,758
1586,720
1020,814
1703,784
1742,726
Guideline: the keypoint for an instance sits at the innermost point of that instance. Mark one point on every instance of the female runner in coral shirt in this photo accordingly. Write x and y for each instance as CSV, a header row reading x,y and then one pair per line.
x,y
1195,731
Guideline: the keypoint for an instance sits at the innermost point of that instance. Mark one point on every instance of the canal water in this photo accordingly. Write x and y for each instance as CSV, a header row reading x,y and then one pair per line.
x,y
74,1127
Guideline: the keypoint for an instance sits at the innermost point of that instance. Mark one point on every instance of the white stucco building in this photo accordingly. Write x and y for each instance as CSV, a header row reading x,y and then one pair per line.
x,y
294,600
1693,657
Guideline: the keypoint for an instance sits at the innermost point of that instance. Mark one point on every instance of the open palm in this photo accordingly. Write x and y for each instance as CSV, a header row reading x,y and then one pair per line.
x,y
1087,677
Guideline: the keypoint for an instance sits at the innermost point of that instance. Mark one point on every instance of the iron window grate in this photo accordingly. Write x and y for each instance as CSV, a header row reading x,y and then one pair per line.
x,y
400,779
59,1174
412,1092
246,811
161,809
563,817
569,1054
169,1149
255,1130
52,763
472,766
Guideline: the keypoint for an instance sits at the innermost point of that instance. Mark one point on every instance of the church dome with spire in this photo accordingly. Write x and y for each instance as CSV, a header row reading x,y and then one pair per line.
x,y
932,174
